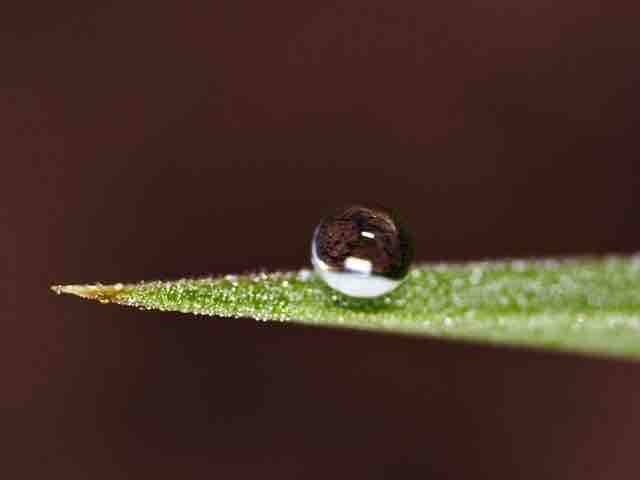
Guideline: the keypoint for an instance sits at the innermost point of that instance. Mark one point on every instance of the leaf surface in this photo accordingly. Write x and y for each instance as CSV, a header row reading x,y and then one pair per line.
x,y
586,304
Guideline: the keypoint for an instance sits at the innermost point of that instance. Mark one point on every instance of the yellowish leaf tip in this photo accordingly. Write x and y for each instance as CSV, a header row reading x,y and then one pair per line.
x,y
102,293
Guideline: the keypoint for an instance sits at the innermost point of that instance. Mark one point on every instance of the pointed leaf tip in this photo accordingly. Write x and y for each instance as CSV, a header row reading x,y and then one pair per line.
x,y
103,293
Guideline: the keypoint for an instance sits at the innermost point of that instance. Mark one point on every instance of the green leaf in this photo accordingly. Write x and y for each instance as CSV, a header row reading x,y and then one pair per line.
x,y
586,304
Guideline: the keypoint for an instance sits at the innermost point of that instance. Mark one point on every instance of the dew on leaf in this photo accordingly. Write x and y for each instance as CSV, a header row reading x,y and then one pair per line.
x,y
362,251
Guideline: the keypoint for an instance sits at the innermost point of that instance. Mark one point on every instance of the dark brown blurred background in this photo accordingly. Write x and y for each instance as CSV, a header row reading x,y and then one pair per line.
x,y
160,139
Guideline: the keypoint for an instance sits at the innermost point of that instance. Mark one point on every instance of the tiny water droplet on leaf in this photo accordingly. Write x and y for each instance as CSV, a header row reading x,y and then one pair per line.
x,y
362,251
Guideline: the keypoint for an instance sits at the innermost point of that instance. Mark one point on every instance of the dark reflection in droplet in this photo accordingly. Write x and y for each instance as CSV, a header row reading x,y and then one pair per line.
x,y
362,251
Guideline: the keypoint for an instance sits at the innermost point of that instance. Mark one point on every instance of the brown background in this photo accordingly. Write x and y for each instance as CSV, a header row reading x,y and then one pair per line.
x,y
163,139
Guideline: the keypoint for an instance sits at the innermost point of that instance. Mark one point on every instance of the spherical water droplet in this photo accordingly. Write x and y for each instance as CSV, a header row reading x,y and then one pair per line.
x,y
362,251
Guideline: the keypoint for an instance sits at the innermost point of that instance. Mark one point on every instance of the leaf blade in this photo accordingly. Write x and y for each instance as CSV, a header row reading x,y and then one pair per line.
x,y
585,305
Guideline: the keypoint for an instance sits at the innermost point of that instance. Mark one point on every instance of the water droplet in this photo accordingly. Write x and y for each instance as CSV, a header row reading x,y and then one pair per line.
x,y
362,251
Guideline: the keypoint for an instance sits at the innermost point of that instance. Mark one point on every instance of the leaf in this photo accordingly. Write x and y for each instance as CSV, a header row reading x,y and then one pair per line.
x,y
586,304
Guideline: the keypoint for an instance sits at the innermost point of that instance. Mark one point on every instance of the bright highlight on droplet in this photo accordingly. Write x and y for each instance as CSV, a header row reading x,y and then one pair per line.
x,y
358,265
362,251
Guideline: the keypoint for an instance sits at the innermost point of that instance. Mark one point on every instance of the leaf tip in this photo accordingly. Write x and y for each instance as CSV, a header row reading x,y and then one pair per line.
x,y
102,293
